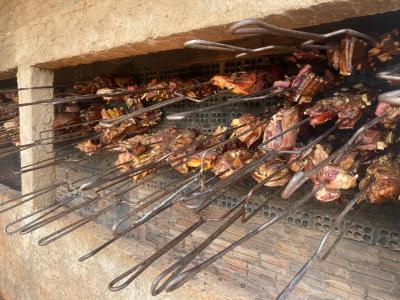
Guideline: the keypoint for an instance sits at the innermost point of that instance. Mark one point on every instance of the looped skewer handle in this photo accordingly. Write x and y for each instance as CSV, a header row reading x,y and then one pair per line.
x,y
253,26
392,98
207,45
134,272
316,256
181,278
159,285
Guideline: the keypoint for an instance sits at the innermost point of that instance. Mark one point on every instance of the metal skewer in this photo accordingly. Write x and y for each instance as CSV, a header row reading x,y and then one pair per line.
x,y
316,256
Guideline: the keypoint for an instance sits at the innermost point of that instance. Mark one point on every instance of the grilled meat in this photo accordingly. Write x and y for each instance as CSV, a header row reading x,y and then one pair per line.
x,y
250,123
382,180
370,140
242,83
351,55
393,114
387,47
231,161
305,85
345,107
268,169
331,179
92,86
179,159
281,121
89,146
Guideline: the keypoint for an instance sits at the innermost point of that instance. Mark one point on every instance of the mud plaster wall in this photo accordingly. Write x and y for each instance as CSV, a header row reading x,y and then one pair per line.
x,y
55,34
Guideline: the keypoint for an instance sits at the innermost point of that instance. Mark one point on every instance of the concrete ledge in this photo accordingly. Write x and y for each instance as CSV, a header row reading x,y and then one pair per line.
x,y
78,32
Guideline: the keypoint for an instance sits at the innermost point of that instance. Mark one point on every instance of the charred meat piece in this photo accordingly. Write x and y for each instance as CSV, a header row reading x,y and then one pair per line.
x,y
382,180
281,121
393,114
270,168
231,161
162,90
179,159
331,179
387,47
242,83
92,86
250,124
351,55
208,157
305,85
370,140
89,146
347,108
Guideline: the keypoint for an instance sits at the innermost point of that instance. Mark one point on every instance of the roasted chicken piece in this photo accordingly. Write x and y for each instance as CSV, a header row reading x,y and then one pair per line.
x,y
387,47
250,123
382,180
231,161
269,168
393,114
351,55
281,121
305,85
241,83
88,146
345,107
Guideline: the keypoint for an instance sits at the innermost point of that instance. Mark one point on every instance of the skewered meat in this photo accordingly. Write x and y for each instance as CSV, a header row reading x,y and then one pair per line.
x,y
92,86
179,160
331,179
140,124
281,121
208,157
231,161
88,146
250,123
370,140
349,56
305,85
269,168
346,107
393,114
382,180
163,90
387,47
242,83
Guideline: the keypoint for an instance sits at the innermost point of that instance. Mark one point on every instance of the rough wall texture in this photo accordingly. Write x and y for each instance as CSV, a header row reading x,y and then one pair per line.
x,y
257,270
61,33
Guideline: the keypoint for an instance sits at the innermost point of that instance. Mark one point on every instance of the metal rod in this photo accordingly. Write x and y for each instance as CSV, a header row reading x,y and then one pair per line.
x,y
160,208
316,256
178,278
301,177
